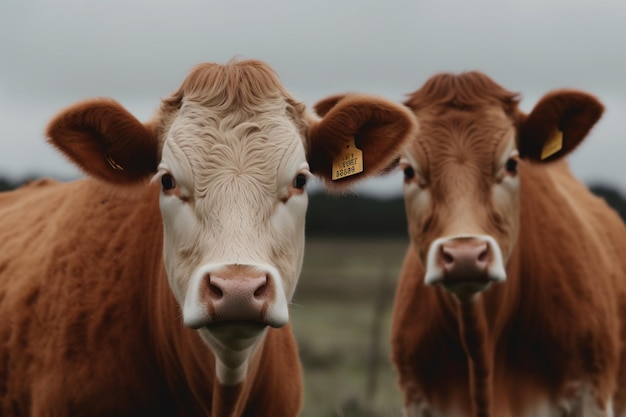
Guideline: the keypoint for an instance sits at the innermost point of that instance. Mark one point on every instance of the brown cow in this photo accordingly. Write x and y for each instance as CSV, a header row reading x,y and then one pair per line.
x,y
120,297
511,300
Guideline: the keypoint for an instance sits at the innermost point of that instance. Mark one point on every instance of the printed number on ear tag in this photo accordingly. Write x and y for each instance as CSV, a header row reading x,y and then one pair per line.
x,y
553,145
348,162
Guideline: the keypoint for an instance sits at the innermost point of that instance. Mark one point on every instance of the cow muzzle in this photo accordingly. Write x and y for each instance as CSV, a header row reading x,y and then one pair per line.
x,y
219,295
464,265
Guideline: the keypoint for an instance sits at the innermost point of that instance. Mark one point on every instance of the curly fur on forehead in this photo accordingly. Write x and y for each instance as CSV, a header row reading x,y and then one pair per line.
x,y
237,117
250,152
239,89
244,85
466,91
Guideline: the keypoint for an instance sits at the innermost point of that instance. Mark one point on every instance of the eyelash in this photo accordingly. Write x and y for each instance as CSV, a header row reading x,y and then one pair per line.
x,y
509,169
299,182
409,173
511,166
170,187
297,186
168,182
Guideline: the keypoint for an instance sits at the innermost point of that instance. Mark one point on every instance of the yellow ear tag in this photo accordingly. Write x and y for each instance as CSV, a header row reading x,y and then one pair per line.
x,y
348,162
553,145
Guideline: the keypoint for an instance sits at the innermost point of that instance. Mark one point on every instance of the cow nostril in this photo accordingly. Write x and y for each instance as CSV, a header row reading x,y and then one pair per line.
x,y
447,257
484,254
261,291
215,291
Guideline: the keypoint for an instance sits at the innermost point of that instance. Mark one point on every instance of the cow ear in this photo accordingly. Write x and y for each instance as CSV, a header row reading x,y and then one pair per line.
x,y
557,125
105,141
374,128
323,106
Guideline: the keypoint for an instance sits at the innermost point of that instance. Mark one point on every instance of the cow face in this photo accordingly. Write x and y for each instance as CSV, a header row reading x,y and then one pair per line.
x,y
233,173
462,172
232,152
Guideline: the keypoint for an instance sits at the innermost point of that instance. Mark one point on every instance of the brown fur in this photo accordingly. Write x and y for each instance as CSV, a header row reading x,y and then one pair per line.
x,y
569,111
88,322
558,318
116,345
368,121
323,106
114,132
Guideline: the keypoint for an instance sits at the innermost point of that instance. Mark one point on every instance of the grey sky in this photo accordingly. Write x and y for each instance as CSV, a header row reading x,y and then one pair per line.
x,y
136,51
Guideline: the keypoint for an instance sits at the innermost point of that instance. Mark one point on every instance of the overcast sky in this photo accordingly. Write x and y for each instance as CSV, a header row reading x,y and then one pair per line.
x,y
53,53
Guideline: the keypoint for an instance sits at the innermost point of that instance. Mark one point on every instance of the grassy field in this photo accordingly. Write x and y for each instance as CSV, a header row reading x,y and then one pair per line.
x,y
341,316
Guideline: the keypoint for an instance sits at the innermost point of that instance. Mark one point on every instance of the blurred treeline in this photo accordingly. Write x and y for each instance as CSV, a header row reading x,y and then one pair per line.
x,y
359,216
6,185
354,215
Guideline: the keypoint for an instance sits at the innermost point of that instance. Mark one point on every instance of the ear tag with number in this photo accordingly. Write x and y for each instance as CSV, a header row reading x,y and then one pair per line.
x,y
348,162
553,145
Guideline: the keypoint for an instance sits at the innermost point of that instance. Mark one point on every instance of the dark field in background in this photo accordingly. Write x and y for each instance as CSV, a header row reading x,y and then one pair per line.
x,y
341,316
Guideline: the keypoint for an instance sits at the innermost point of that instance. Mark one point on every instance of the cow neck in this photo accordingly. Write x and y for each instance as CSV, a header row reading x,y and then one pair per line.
x,y
548,276
187,364
231,400
173,346
474,335
553,246
227,402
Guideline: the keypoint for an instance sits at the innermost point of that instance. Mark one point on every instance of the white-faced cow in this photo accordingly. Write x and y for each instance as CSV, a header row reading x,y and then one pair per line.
x,y
121,296
511,301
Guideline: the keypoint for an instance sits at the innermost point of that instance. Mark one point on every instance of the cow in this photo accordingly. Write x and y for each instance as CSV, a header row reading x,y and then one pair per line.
x,y
160,284
511,300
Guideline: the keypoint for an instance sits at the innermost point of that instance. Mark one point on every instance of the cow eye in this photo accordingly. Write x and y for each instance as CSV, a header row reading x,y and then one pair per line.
x,y
167,181
409,173
299,181
511,166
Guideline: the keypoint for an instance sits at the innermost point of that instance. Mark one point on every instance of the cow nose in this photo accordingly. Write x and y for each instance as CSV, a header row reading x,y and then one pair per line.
x,y
237,298
232,292
238,287
465,257
465,266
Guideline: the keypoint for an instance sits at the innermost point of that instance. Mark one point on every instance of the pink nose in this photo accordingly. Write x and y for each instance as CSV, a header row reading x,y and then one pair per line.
x,y
465,258
465,263
237,297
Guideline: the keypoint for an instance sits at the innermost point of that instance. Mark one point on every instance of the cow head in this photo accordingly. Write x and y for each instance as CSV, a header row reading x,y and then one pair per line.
x,y
462,172
232,151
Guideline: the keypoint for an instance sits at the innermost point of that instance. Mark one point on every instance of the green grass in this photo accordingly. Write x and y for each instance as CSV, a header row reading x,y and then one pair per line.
x,y
341,316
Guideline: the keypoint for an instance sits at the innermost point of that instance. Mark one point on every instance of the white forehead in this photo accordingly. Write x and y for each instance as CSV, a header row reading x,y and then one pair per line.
x,y
206,147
